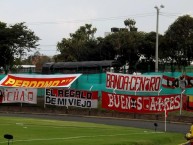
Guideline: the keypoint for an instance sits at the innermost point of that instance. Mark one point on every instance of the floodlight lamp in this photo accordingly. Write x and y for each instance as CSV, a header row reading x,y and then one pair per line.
x,y
162,6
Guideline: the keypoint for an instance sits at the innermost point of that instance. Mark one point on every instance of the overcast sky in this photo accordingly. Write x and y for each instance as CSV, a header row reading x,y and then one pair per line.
x,y
53,20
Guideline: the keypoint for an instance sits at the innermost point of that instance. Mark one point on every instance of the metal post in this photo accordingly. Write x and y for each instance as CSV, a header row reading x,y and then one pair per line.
x,y
157,33
156,49
181,100
165,113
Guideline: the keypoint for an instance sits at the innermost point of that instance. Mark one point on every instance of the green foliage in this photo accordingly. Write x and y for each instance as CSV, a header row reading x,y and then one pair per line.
x,y
128,45
80,46
130,23
15,41
23,39
148,45
179,41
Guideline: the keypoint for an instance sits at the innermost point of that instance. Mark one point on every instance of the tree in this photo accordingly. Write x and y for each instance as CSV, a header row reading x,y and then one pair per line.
x,y
124,45
130,23
15,41
178,41
80,46
107,50
24,40
148,45
7,54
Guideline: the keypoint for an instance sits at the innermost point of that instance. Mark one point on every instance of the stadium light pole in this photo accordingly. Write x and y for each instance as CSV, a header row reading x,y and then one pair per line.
x,y
157,33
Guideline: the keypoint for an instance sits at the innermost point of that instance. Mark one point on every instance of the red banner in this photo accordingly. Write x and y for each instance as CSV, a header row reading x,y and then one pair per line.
x,y
38,81
170,82
180,82
140,104
140,83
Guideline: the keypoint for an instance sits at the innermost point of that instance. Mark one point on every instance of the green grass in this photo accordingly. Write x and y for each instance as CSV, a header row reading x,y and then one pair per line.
x,y
28,131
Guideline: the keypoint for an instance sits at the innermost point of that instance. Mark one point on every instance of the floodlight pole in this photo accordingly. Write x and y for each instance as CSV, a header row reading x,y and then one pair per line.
x,y
157,26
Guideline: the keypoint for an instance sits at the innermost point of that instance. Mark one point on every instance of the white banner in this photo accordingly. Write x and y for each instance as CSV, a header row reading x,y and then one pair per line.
x,y
68,97
18,95
140,83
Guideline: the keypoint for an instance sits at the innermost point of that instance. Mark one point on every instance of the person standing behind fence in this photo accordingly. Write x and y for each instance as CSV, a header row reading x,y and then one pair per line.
x,y
182,82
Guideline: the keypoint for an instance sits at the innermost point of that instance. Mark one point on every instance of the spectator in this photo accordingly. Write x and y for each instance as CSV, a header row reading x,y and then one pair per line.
x,y
182,82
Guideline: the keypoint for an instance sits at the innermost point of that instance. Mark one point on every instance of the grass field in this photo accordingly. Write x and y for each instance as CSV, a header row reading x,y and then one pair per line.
x,y
28,131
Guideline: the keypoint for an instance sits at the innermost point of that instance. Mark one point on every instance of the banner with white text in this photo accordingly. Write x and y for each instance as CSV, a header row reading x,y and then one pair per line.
x,y
70,97
140,104
139,83
38,81
18,95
